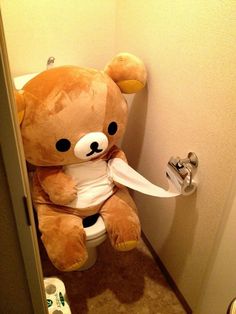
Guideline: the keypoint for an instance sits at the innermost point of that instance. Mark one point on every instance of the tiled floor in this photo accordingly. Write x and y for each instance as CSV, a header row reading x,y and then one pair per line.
x,y
119,282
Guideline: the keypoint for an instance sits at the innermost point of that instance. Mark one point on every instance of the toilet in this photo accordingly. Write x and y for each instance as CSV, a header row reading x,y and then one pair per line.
x,y
95,235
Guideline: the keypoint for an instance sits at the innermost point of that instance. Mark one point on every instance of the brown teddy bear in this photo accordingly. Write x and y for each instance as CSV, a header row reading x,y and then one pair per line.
x,y
71,121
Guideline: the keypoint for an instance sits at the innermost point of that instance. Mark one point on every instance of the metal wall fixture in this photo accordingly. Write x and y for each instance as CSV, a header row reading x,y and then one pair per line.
x,y
181,171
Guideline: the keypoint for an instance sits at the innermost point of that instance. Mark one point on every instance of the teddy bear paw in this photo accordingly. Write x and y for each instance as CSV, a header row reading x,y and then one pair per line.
x,y
76,266
126,246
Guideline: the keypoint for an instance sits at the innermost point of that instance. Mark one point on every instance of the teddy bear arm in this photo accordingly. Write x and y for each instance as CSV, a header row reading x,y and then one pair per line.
x,y
60,187
118,153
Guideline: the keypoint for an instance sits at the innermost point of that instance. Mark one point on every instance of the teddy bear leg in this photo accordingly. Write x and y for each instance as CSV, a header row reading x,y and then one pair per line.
x,y
63,237
121,220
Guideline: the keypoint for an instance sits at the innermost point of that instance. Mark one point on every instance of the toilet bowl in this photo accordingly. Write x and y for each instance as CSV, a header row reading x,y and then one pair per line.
x,y
95,234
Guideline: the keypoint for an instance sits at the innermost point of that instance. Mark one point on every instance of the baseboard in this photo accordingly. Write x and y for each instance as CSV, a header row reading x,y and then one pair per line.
x,y
167,276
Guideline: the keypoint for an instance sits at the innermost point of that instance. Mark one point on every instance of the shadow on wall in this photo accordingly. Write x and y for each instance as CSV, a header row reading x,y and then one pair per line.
x,y
180,237
133,139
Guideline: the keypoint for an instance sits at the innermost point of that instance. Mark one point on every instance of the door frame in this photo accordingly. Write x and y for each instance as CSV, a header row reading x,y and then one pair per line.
x,y
16,172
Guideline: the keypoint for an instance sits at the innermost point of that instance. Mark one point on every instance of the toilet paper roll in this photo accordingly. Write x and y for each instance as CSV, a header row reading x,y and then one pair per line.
x,y
121,172
59,309
56,282
56,296
187,189
178,184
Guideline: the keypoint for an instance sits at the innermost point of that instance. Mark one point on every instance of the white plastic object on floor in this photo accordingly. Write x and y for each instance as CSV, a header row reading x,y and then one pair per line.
x,y
56,296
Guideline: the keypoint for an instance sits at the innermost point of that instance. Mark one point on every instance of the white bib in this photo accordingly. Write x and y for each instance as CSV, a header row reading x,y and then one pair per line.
x,y
93,183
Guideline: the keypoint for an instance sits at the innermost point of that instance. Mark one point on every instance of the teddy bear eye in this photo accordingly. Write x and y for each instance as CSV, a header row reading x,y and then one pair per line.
x,y
112,128
63,145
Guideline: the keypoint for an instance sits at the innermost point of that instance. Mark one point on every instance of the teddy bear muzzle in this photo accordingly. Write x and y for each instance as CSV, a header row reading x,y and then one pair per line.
x,y
91,145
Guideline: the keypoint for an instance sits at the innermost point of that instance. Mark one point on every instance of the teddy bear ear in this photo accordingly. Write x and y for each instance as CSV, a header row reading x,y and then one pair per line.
x,y
20,104
128,72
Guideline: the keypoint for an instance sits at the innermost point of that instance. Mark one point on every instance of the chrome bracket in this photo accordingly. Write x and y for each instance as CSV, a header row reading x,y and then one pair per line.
x,y
183,167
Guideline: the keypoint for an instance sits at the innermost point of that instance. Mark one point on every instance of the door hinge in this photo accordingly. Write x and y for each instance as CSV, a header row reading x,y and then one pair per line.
x,y
26,210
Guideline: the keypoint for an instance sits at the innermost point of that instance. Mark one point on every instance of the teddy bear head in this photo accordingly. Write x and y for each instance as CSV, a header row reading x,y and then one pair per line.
x,y
71,114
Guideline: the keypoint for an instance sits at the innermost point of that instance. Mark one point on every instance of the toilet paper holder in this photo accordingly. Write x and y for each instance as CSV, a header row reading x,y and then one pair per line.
x,y
182,168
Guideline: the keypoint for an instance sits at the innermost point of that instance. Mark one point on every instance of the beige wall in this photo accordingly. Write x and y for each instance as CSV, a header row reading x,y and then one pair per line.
x,y
189,105
219,287
14,291
74,32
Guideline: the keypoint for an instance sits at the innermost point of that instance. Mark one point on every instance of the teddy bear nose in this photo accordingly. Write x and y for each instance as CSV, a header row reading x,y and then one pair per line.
x,y
94,149
94,146
91,145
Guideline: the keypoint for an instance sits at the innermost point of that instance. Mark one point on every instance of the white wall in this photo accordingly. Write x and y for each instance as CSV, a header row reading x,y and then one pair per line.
x,y
189,48
74,32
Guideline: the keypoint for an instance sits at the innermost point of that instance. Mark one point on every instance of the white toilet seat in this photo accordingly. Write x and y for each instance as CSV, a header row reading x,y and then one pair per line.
x,y
96,230
95,235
